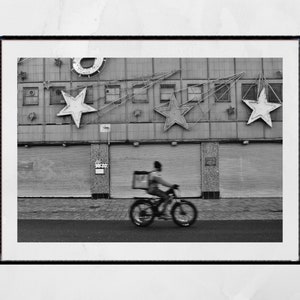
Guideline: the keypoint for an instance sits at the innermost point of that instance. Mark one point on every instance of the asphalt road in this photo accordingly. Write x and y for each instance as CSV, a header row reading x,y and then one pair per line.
x,y
159,231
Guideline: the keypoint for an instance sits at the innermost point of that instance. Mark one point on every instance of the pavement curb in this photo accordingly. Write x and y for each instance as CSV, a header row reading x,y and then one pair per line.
x,y
117,209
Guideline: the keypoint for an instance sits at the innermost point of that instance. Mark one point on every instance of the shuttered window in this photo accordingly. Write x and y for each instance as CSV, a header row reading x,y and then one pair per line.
x,y
181,164
30,96
275,92
254,170
195,92
140,94
166,91
249,91
222,92
56,96
112,94
54,171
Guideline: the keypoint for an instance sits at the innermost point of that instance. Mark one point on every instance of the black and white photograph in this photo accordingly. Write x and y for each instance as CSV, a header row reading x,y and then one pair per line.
x,y
108,143
160,150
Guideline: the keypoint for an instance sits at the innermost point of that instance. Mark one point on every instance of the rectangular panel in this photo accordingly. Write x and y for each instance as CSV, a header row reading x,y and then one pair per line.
x,y
251,67
166,65
181,164
87,132
173,133
196,131
137,132
220,67
58,133
32,70
57,69
275,131
253,130
138,67
253,170
30,133
223,130
194,68
114,69
272,67
55,171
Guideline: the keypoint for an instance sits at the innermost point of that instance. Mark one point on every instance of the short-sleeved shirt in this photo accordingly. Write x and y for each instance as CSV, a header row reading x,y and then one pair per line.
x,y
152,179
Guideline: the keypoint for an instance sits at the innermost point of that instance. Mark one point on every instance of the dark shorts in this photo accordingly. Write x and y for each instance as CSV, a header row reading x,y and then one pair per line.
x,y
159,193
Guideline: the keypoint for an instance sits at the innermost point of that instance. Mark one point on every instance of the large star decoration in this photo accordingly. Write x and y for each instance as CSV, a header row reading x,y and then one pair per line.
x,y
75,106
261,108
174,113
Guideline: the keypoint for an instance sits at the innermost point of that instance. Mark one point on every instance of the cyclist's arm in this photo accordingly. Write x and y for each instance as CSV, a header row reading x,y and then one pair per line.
x,y
158,179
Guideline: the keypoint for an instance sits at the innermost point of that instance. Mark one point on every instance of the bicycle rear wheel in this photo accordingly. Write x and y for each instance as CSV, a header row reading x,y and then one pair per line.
x,y
184,213
141,213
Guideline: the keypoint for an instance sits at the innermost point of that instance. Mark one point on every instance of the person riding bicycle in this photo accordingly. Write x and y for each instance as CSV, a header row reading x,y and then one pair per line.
x,y
155,180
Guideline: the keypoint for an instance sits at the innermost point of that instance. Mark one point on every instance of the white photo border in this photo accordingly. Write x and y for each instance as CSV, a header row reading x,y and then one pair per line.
x,y
285,251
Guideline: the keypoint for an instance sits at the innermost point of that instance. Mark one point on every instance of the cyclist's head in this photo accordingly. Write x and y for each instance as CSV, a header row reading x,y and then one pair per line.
x,y
157,165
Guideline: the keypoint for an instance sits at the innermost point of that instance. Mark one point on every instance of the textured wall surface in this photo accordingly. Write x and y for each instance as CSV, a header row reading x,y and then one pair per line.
x,y
210,167
99,182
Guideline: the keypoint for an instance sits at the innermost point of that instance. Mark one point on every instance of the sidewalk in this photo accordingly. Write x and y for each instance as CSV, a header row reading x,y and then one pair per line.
x,y
117,209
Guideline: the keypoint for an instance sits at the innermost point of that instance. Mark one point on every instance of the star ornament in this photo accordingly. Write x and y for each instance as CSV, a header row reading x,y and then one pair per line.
x,y
75,106
174,113
261,108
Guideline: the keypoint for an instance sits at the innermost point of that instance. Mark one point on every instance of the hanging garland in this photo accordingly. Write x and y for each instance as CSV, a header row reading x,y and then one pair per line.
x,y
231,80
123,99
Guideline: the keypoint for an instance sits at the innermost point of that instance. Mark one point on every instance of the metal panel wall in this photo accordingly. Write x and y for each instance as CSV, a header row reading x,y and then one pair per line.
x,y
181,164
253,170
54,171
123,119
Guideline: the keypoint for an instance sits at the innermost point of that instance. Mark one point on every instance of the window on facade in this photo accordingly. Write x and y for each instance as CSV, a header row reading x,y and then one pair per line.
x,y
89,99
30,96
273,91
56,96
249,91
194,92
222,92
112,94
166,91
140,93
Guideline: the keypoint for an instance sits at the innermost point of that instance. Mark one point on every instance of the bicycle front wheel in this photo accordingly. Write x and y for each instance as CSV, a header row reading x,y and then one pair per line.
x,y
184,213
141,213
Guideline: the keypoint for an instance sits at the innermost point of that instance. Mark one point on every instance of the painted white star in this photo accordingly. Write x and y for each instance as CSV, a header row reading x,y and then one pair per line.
x,y
174,113
75,106
261,108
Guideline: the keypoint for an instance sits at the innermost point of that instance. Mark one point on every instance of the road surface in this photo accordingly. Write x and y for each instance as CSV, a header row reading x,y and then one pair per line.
x,y
159,231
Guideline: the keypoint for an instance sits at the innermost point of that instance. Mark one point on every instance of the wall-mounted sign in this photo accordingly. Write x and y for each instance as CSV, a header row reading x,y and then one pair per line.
x,y
96,67
100,167
210,161
104,127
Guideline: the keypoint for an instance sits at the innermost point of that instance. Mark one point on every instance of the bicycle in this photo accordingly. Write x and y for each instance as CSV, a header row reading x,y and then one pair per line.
x,y
143,210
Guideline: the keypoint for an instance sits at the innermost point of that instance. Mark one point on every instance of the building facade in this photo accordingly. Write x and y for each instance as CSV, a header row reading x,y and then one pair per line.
x,y
189,113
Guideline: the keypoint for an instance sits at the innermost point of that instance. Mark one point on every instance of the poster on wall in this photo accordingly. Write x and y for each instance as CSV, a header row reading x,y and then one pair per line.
x,y
203,126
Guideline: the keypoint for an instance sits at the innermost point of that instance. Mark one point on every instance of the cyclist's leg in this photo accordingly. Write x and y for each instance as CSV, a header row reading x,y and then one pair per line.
x,y
163,195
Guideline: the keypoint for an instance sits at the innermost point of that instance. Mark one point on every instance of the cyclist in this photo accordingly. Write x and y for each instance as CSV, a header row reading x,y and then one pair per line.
x,y
154,180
